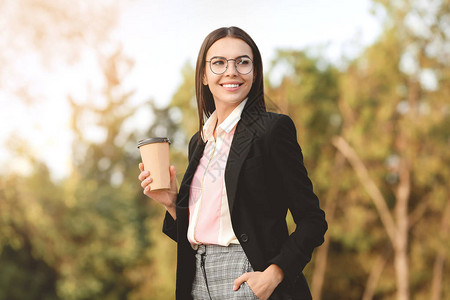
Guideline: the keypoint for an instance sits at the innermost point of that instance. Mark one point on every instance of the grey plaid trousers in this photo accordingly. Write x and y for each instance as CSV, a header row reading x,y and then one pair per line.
x,y
216,269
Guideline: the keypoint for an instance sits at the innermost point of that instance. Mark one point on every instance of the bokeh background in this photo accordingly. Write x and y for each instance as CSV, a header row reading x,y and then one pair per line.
x,y
366,82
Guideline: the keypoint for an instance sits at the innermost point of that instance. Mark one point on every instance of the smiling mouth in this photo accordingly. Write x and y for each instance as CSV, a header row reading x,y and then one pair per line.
x,y
234,85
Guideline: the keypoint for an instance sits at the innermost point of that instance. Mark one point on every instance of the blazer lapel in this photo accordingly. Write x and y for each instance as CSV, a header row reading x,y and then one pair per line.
x,y
245,133
247,130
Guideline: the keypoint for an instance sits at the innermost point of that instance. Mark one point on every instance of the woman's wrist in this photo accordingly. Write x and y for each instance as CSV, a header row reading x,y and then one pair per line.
x,y
172,210
276,273
170,207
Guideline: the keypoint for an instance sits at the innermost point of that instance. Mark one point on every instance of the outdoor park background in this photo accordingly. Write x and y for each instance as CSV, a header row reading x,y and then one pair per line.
x,y
371,108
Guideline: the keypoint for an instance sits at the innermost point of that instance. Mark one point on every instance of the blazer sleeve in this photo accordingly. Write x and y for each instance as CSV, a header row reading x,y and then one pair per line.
x,y
297,191
169,224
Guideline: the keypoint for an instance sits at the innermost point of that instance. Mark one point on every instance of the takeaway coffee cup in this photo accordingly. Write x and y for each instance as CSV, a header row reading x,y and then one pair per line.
x,y
155,156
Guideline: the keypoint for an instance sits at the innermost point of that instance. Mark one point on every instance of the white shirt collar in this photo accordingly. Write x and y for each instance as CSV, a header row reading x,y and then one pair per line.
x,y
227,125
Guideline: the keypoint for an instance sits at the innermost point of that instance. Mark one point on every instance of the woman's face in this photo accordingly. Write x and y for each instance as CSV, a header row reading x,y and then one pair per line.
x,y
231,87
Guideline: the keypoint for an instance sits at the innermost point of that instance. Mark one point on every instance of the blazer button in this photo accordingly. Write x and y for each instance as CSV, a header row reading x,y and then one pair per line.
x,y
244,238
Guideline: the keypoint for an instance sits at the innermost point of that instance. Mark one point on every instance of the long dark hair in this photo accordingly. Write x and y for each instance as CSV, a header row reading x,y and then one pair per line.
x,y
205,100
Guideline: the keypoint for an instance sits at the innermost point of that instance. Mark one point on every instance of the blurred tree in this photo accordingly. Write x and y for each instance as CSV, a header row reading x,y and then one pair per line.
x,y
375,138
93,235
389,112
26,262
178,122
308,92
38,36
184,102
49,32
84,237
167,122
395,115
107,222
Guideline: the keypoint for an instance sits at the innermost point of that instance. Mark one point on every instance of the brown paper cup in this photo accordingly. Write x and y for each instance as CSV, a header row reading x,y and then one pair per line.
x,y
155,156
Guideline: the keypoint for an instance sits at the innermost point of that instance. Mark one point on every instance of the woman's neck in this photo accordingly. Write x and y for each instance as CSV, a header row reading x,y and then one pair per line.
x,y
223,111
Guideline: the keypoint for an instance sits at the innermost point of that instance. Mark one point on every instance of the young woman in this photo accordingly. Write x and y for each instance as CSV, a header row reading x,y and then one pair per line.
x,y
245,171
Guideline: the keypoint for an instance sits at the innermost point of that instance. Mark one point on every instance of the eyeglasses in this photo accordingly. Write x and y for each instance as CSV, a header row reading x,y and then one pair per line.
x,y
219,65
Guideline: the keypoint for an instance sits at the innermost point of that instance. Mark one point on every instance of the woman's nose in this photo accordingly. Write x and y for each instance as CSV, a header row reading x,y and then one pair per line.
x,y
231,69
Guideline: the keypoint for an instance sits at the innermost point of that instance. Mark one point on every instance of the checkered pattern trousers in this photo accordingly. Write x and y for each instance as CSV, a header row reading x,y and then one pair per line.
x,y
216,269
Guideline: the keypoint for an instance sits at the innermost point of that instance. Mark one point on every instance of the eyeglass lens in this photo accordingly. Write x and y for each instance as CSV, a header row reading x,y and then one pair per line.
x,y
243,65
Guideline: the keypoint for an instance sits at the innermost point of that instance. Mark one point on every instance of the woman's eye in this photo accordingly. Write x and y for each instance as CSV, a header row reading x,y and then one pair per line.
x,y
243,61
218,62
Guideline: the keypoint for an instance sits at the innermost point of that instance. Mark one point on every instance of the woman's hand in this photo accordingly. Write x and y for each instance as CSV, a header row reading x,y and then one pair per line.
x,y
165,197
261,283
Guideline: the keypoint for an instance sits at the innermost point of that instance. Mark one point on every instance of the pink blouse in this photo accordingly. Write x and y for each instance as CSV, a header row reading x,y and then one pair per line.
x,y
209,214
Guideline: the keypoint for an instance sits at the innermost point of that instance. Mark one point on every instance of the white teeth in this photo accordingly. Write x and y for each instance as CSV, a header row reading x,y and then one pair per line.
x,y
231,85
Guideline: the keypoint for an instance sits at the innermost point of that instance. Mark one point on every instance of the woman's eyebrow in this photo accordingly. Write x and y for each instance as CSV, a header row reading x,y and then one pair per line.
x,y
240,56
217,57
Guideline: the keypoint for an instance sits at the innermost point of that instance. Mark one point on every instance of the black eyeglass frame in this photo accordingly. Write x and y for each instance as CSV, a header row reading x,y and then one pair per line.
x,y
227,60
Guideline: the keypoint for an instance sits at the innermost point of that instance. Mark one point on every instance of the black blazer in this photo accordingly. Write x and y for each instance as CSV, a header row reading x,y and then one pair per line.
x,y
264,177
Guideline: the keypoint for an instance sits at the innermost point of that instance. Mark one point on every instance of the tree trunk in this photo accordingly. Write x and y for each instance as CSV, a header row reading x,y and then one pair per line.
x,y
320,264
396,231
401,242
369,185
401,269
438,270
375,274
320,267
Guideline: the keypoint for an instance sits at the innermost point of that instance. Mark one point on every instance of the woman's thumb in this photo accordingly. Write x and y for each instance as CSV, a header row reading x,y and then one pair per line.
x,y
173,175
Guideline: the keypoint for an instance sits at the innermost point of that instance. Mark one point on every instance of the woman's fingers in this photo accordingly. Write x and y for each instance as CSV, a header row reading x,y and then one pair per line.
x,y
240,280
145,183
167,197
144,177
172,172
143,174
146,190
173,178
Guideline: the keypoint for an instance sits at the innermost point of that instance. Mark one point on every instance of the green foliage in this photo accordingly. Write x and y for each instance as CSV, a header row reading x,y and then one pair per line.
x,y
308,93
94,235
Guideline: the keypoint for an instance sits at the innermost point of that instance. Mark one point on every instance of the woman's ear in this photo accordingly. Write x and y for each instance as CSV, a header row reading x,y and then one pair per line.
x,y
204,80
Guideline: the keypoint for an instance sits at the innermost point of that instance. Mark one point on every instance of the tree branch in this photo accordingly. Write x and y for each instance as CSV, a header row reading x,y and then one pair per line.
x,y
374,192
375,273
